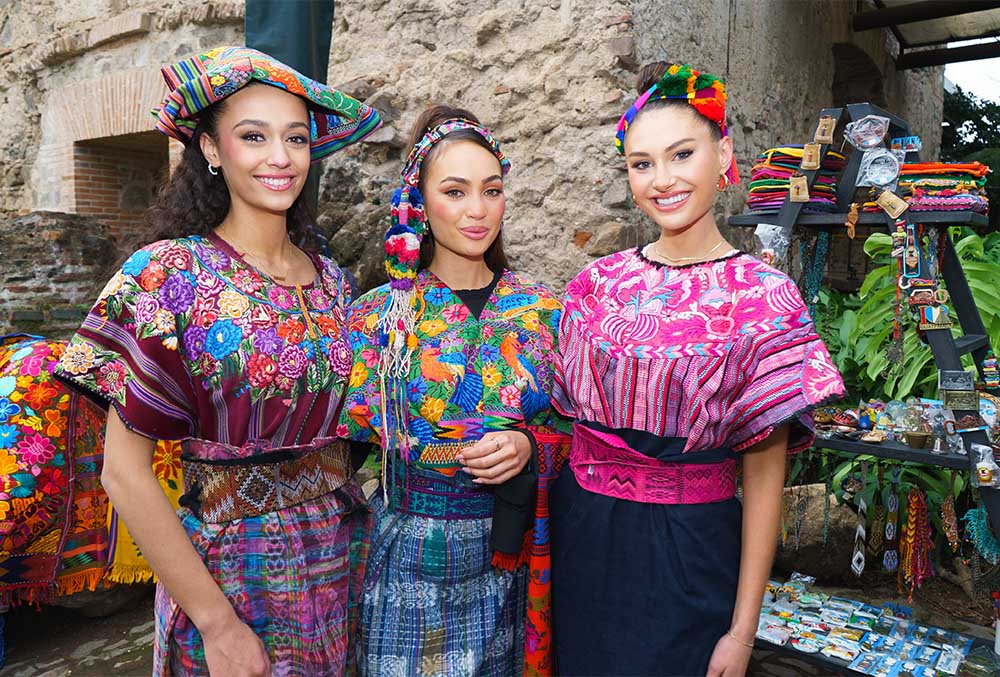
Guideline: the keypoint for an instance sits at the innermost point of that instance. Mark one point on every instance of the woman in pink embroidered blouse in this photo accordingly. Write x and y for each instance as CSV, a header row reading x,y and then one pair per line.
x,y
675,357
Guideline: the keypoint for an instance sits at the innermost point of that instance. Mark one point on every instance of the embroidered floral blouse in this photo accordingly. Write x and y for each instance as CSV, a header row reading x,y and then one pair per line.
x,y
188,340
719,353
469,375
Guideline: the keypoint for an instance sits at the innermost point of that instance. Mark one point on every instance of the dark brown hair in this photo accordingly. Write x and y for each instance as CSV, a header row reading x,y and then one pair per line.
x,y
194,202
495,257
648,76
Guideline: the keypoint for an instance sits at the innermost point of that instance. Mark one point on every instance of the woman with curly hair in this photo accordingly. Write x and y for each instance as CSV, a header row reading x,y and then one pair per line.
x,y
225,335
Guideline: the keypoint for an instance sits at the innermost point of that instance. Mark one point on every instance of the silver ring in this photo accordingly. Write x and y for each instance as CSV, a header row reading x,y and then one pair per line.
x,y
497,442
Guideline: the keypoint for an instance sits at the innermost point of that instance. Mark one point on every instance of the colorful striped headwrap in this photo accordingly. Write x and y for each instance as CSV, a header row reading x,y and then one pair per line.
x,y
706,94
402,258
336,120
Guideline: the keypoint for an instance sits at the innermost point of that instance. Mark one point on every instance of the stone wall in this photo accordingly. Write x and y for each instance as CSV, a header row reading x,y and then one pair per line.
x,y
551,77
54,266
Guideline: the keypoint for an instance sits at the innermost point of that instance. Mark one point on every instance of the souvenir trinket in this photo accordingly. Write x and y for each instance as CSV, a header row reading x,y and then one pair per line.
x,y
890,560
987,471
915,543
991,371
798,188
892,204
948,519
867,132
934,317
879,168
852,220
810,157
858,558
907,144
898,239
960,400
875,436
825,129
956,379
977,530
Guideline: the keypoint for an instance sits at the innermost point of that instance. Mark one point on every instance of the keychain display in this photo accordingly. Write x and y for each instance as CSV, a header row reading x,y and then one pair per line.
x,y
890,560
866,133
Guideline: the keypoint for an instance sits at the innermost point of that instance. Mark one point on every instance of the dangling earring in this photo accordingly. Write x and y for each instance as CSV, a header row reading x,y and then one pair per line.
x,y
723,182
212,170
635,202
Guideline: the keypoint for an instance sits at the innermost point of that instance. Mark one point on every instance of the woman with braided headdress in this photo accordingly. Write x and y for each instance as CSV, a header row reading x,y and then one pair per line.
x,y
676,357
453,364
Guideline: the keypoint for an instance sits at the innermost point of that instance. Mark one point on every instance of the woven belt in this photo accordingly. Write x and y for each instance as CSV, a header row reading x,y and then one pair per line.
x,y
603,464
228,490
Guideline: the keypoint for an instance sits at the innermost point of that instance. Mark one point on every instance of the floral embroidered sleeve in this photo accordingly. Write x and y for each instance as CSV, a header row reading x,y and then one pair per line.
x,y
360,419
789,373
126,352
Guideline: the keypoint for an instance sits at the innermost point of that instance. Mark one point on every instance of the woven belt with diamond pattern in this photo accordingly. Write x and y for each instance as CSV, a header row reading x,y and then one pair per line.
x,y
231,489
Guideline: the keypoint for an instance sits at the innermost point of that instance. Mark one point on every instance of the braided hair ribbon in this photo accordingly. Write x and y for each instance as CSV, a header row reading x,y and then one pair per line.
x,y
705,93
402,259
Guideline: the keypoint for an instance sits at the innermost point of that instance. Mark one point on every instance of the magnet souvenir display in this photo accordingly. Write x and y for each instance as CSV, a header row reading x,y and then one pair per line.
x,y
879,168
868,132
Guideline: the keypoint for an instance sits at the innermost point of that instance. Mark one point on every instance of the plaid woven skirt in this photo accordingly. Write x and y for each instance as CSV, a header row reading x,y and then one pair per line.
x,y
292,575
432,603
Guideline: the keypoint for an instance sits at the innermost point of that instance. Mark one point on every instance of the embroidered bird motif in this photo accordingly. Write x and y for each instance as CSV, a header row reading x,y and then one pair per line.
x,y
524,371
441,368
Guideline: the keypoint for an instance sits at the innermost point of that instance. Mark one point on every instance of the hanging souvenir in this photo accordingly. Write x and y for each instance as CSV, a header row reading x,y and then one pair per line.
x,y
876,534
867,132
852,220
948,519
828,490
915,543
858,558
892,204
774,241
825,129
991,371
899,239
960,400
956,379
890,560
810,157
977,530
907,144
879,168
911,255
987,471
934,317
798,188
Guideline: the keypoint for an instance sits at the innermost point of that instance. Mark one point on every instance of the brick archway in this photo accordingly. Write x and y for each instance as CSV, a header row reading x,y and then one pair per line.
x,y
99,154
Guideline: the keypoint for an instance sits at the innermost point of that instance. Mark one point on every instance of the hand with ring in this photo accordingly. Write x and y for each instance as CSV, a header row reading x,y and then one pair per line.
x,y
497,457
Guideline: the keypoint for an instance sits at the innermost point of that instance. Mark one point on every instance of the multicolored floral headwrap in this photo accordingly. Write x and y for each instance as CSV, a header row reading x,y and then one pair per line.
x,y
336,120
706,94
402,246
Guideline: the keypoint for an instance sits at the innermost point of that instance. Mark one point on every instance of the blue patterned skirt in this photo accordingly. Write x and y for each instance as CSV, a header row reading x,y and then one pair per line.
x,y
432,604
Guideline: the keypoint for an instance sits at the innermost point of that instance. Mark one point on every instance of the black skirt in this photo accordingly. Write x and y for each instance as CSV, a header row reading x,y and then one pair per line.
x,y
641,588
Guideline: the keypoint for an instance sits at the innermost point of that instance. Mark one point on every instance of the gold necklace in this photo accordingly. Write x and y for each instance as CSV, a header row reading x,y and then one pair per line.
x,y
254,259
682,259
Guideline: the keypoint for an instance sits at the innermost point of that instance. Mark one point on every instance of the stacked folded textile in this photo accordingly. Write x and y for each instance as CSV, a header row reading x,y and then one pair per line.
x,y
770,175
945,186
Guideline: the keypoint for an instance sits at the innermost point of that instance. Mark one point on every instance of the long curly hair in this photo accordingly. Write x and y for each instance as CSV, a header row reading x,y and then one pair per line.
x,y
195,202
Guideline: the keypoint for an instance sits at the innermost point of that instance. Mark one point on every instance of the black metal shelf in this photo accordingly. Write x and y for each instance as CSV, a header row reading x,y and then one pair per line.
x,y
837,219
894,450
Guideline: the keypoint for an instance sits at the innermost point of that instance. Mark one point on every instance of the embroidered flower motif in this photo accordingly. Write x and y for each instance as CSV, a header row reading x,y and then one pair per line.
x,y
292,361
78,359
215,258
136,263
164,321
176,294
32,365
56,422
438,296
23,485
432,409
340,356
491,376
261,370
223,339
233,303
329,326
369,357
194,341
204,314
488,353
487,331
36,449
145,308
291,330
206,365
218,80
111,378
51,481
152,277
40,395
359,374
433,327
8,438
247,280
176,257
267,341
416,389
511,396
166,463
208,284
530,320
455,313
318,300
281,297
